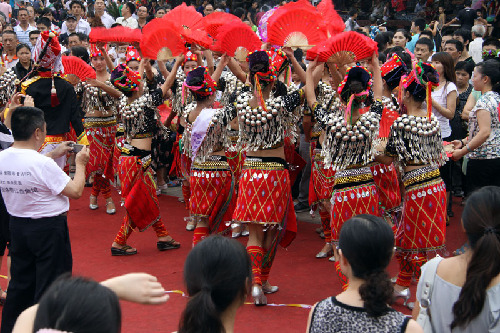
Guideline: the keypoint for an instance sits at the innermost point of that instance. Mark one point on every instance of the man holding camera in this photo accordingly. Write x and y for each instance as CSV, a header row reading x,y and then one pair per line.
x,y
36,193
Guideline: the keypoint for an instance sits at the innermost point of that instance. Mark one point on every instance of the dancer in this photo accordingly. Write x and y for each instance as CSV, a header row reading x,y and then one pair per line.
x,y
322,178
205,139
140,118
264,196
385,176
415,143
99,100
347,147
184,64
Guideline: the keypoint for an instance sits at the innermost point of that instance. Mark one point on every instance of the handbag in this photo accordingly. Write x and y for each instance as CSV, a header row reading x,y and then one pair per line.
x,y
424,316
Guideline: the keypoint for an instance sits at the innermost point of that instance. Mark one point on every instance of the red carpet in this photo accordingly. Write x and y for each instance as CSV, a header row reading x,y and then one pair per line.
x,y
301,277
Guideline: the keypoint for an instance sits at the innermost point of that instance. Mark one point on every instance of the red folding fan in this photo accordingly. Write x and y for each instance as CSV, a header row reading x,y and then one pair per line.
x,y
118,34
184,16
331,19
237,39
343,48
297,25
198,37
161,40
76,66
214,21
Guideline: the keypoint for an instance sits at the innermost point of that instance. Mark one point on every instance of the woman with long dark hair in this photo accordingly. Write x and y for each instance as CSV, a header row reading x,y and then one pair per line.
x,y
218,277
483,143
444,103
466,288
366,246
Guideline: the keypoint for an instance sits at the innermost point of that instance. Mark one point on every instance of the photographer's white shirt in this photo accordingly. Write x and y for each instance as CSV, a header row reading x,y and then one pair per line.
x,y
31,184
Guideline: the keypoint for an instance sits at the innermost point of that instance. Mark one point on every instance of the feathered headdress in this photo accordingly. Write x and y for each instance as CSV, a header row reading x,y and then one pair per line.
x,y
356,73
200,74
125,79
280,61
419,83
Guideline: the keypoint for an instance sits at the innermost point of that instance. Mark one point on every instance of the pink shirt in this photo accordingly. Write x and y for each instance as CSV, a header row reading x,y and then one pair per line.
x,y
6,9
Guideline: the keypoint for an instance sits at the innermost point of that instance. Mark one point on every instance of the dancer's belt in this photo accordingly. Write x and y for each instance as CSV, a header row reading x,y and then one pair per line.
x,y
265,163
99,121
143,155
353,177
213,162
55,138
421,176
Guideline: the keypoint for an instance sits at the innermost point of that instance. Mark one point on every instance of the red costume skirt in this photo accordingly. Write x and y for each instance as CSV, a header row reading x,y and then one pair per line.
x,y
354,193
235,159
138,187
101,134
322,180
423,227
387,183
264,197
212,186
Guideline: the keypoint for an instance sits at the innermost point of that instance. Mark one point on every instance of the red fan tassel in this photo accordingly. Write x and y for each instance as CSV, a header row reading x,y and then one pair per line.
x,y
54,101
428,100
259,90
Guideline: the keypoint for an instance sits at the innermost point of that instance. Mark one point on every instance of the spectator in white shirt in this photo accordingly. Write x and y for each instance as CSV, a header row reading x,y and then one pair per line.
x,y
77,10
351,24
6,8
23,29
476,46
99,9
127,20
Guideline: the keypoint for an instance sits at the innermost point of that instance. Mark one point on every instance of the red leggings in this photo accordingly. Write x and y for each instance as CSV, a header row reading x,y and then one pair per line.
x,y
101,184
410,264
127,228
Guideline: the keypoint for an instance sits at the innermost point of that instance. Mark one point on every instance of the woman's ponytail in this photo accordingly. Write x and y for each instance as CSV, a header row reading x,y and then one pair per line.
x,y
376,292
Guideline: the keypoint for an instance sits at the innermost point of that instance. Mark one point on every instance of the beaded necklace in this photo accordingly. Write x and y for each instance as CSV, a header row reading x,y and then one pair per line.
x,y
94,98
133,114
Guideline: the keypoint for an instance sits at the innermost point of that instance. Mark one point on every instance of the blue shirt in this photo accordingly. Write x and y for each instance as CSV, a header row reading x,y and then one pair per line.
x,y
411,44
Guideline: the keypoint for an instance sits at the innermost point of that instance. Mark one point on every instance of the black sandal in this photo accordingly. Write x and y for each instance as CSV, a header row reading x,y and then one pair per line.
x,y
122,251
167,245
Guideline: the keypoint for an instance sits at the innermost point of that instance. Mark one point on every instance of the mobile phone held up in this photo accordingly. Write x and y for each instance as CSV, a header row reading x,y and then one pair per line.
x,y
77,148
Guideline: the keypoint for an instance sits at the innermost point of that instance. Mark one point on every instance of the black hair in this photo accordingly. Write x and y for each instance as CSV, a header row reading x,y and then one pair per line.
x,y
467,3
197,81
490,68
466,66
130,7
69,305
77,2
481,221
367,242
21,9
217,272
73,34
353,12
382,41
9,32
357,81
21,46
239,12
446,32
25,120
491,41
81,52
45,21
83,37
34,32
420,23
405,33
458,44
417,89
426,41
465,34
426,33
